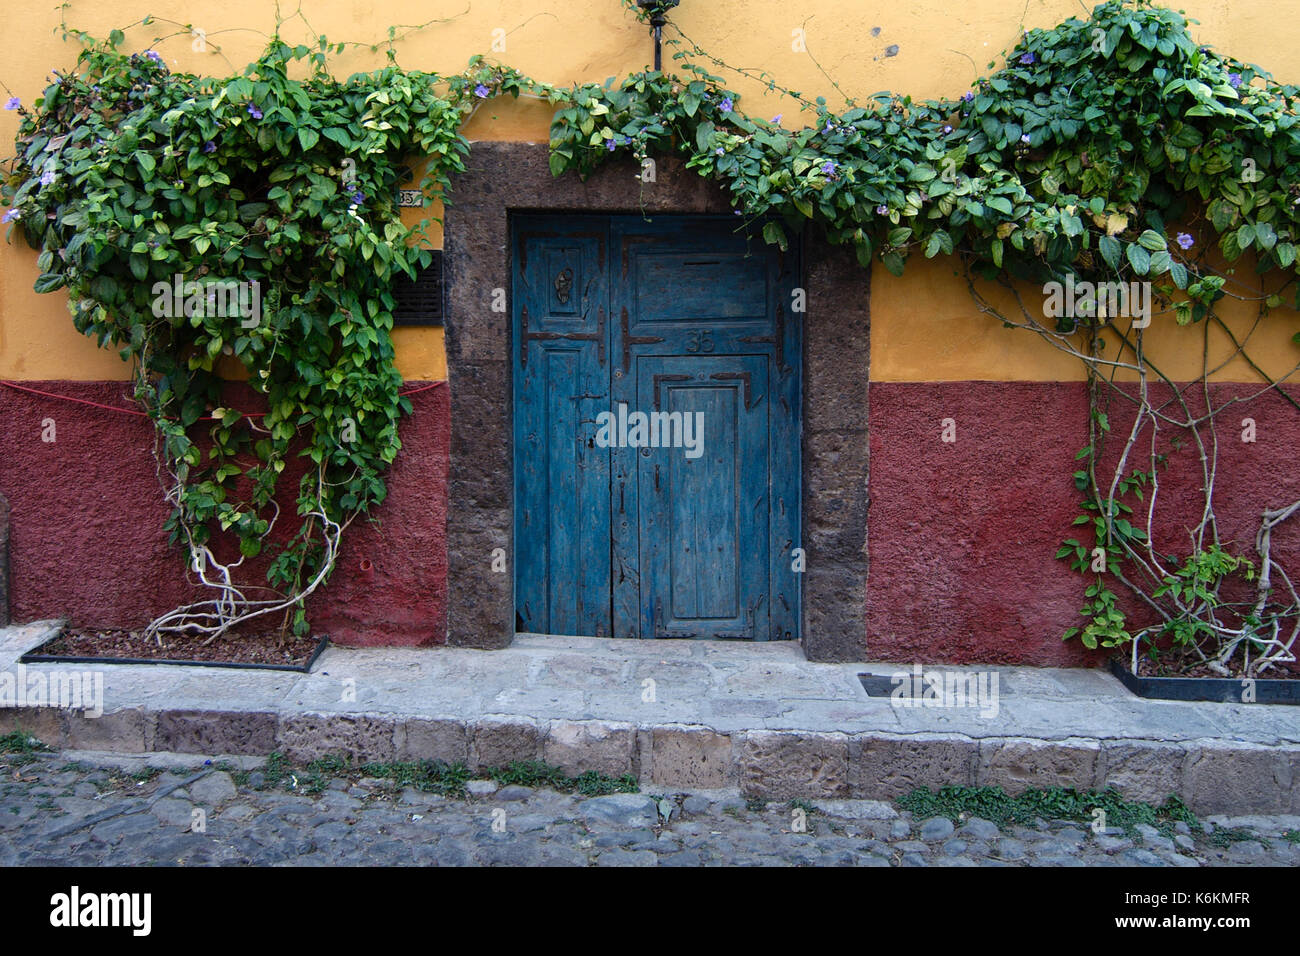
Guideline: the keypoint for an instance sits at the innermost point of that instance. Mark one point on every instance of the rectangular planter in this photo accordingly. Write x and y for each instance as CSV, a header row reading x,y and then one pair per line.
x,y
34,656
1223,690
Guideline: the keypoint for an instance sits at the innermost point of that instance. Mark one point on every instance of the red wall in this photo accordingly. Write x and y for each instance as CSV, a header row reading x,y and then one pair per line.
x,y
87,510
962,536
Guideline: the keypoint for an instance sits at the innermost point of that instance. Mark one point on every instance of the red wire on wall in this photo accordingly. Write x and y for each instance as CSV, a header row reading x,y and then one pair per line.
x,y
136,411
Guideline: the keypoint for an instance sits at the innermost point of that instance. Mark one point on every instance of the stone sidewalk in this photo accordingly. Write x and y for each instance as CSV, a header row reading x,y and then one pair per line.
x,y
690,715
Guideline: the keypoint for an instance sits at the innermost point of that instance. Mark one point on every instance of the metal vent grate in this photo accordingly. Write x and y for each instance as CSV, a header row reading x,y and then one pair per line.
x,y
912,687
422,301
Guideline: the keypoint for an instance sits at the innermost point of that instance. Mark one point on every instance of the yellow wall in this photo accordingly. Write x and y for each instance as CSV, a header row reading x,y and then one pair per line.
x,y
924,326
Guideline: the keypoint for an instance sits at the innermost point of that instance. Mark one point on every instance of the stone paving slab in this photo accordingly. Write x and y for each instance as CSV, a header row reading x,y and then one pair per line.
x,y
756,716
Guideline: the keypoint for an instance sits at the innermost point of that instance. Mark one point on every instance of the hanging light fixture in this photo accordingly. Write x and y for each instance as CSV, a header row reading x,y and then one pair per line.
x,y
658,11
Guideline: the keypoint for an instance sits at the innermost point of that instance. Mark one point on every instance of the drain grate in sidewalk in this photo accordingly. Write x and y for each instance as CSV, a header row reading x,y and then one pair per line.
x,y
913,686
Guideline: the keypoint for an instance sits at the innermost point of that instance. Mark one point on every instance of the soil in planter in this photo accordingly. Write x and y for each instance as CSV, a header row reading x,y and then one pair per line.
x,y
231,648
1170,666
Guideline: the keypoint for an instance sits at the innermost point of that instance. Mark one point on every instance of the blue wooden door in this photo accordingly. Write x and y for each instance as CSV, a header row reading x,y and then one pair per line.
x,y
657,394
561,382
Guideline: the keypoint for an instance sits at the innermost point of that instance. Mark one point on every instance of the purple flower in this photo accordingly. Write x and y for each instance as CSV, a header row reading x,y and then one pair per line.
x,y
882,210
610,145
726,105
947,130
47,177
10,216
720,151
1185,241
13,103
209,147
777,118
253,111
830,128
1234,80
358,196
1024,138
1028,59
153,55
481,91
968,96
829,167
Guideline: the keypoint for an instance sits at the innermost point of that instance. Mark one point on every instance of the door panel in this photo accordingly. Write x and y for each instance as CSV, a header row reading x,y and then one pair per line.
x,y
683,320
704,509
685,286
561,383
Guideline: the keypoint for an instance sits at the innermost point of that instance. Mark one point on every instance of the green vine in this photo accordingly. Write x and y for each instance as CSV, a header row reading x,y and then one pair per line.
x,y
254,218
1106,149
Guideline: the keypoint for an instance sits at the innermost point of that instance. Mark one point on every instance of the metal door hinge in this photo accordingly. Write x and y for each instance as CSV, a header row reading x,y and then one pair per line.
x,y
525,336
631,340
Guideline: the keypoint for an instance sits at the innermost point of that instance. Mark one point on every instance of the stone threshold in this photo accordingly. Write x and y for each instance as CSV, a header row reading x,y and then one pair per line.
x,y
686,715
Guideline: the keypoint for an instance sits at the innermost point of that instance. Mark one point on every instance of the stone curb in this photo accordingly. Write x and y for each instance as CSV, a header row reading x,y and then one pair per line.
x,y
1210,775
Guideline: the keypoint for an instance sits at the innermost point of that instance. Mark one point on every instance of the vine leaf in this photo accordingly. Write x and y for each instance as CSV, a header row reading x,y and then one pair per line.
x,y
1139,259
1110,249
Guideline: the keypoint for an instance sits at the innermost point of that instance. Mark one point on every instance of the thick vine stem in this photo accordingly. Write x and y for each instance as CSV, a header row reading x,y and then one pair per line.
x,y
1263,633
1283,653
231,608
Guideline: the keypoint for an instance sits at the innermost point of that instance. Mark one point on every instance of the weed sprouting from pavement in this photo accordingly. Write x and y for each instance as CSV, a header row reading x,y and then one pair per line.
x,y
430,776
1051,803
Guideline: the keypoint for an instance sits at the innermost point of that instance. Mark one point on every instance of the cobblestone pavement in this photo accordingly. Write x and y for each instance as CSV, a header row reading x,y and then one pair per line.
x,y
54,811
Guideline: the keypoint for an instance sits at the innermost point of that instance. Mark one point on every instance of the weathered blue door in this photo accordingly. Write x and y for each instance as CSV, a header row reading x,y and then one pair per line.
x,y
657,395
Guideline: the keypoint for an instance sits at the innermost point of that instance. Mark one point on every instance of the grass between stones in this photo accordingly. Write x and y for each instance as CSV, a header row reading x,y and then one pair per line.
x,y
1051,803
20,748
1225,837
534,773
429,776
17,742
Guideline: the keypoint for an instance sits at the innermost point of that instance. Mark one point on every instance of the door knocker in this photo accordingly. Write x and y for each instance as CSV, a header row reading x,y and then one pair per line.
x,y
563,283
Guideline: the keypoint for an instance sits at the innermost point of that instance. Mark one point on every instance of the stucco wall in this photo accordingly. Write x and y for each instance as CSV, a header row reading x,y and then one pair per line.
x,y
87,513
960,535
924,326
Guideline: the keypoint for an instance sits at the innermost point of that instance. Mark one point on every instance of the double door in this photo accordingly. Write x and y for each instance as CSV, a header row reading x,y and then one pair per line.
x,y
656,436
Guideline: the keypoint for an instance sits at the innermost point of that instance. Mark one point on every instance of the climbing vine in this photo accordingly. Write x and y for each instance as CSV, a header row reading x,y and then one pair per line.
x,y
255,219
1112,149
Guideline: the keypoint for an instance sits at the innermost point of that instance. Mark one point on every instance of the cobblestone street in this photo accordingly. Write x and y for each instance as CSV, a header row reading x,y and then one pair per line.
x,y
54,811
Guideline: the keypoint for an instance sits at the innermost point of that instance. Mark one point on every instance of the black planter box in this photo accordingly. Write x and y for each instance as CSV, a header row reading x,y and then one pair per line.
x,y
34,656
1223,690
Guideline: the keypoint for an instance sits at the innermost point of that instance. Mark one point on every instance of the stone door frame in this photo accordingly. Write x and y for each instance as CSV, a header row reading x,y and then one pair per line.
x,y
502,178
